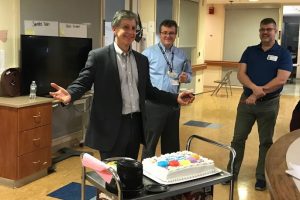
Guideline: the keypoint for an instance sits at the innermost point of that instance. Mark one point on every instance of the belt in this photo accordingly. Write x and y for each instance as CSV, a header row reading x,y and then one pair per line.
x,y
131,115
266,98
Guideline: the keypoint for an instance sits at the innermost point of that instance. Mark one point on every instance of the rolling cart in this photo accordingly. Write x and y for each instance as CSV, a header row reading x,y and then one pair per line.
x,y
173,190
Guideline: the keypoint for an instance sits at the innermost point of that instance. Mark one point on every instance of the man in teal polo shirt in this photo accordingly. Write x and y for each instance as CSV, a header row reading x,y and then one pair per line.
x,y
264,70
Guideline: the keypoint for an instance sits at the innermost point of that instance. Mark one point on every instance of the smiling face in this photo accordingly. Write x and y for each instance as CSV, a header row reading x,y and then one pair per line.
x,y
167,36
267,33
125,33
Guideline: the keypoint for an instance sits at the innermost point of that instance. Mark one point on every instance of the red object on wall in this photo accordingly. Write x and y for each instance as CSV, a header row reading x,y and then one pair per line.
x,y
211,10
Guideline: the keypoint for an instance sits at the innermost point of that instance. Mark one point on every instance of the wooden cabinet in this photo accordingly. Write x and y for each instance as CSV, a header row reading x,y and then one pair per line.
x,y
25,140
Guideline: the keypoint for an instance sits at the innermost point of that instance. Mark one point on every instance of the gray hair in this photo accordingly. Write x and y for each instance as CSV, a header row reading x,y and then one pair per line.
x,y
123,14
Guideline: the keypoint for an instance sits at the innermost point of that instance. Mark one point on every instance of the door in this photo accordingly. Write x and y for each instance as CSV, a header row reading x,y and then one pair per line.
x,y
290,37
110,7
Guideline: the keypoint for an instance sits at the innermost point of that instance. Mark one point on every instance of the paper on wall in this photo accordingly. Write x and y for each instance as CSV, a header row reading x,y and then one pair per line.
x,y
73,30
48,28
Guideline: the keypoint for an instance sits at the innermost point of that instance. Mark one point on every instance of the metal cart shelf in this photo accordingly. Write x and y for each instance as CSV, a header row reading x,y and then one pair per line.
x,y
175,189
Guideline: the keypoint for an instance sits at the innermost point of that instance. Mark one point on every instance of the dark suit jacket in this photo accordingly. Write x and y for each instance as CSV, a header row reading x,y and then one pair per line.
x,y
106,113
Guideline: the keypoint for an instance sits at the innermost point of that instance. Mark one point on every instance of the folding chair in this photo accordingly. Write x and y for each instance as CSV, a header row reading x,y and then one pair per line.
x,y
225,82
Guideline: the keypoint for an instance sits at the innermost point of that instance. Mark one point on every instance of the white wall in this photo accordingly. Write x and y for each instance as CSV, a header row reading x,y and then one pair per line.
x,y
147,12
200,50
214,33
10,20
66,11
214,40
188,24
241,29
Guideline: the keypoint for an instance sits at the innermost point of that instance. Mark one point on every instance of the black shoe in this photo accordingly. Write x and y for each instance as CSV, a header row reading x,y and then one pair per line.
x,y
260,185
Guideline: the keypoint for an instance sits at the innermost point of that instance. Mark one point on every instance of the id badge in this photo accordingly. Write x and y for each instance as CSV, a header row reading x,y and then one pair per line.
x,y
272,58
172,75
174,82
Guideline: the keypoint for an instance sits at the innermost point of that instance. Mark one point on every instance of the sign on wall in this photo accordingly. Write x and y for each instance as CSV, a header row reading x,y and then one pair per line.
x,y
73,30
48,28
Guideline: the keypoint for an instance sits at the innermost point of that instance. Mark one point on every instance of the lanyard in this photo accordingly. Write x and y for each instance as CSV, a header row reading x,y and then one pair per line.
x,y
170,65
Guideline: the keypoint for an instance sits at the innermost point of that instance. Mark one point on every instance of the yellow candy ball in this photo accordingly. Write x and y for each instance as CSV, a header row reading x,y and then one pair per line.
x,y
184,162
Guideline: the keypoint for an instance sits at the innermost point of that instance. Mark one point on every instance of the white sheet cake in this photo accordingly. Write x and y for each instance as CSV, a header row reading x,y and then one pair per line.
x,y
178,167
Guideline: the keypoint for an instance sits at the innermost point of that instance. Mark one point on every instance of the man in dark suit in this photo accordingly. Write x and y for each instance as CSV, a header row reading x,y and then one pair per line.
x,y
121,84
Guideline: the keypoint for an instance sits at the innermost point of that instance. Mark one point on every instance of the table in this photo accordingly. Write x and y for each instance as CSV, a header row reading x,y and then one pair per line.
x,y
174,190
281,185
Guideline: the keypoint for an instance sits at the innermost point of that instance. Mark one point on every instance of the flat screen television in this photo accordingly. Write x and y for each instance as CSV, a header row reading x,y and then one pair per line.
x,y
46,59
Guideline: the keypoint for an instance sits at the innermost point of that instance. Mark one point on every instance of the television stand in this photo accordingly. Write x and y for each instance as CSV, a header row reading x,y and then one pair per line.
x,y
67,152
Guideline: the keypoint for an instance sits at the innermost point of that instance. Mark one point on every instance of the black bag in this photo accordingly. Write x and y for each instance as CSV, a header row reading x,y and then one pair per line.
x,y
10,82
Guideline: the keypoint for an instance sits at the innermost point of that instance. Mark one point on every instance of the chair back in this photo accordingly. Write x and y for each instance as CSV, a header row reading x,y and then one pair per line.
x,y
226,78
224,82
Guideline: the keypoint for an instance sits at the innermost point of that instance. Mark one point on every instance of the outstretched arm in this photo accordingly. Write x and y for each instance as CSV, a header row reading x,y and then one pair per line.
x,y
61,94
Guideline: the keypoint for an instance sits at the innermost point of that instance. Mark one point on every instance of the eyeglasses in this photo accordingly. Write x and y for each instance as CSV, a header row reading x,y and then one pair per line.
x,y
168,33
266,29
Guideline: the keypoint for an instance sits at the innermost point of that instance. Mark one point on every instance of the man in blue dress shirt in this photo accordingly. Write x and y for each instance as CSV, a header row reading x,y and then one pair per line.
x,y
169,67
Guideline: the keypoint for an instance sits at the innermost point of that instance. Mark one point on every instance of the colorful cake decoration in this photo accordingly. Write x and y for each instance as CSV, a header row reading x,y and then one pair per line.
x,y
174,163
184,162
177,167
162,163
192,159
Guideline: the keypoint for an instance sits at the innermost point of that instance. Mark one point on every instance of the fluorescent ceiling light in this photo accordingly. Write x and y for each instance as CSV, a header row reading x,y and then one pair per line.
x,y
291,10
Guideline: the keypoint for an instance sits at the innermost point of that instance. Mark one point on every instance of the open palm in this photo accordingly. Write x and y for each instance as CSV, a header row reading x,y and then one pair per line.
x,y
61,94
